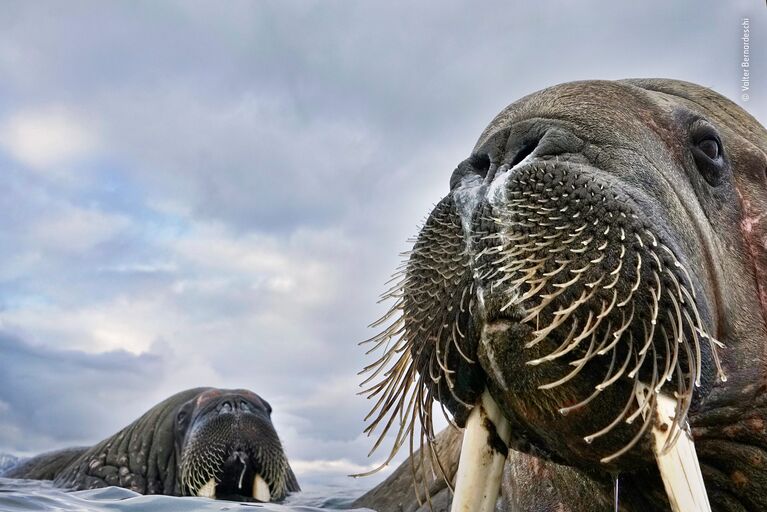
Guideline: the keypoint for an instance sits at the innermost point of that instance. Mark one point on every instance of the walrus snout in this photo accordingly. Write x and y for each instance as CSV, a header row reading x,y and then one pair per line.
x,y
229,448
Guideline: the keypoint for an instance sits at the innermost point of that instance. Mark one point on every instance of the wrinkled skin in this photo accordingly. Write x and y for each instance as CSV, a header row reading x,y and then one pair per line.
x,y
600,235
176,447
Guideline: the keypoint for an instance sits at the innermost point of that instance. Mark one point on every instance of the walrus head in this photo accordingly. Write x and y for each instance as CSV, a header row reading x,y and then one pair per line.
x,y
210,442
604,240
228,449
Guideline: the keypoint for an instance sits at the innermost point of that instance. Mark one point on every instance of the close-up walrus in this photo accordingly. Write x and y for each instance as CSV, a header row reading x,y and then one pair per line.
x,y
591,293
209,442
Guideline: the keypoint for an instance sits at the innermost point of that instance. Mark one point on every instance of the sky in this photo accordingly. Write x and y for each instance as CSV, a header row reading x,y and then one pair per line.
x,y
214,194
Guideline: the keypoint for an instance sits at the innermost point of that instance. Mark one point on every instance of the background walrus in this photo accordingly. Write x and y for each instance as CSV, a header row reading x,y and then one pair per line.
x,y
209,442
601,236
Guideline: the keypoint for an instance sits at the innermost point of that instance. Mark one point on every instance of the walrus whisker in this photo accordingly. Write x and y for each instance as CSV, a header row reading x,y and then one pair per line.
x,y
666,357
648,336
401,380
588,329
573,373
634,288
552,355
677,285
417,412
460,351
442,361
399,440
678,265
653,382
613,378
610,307
392,331
590,438
435,378
395,387
605,337
696,345
634,440
381,386
616,279
532,291
390,334
619,332
534,312
242,473
680,411
713,343
413,470
655,291
688,390
677,325
390,313
563,264
389,382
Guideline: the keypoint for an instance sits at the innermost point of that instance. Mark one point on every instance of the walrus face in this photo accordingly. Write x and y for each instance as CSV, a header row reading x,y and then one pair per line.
x,y
228,448
595,246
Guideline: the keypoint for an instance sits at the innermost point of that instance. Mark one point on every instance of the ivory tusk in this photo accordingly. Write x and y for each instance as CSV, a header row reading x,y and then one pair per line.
x,y
261,489
679,467
208,490
480,468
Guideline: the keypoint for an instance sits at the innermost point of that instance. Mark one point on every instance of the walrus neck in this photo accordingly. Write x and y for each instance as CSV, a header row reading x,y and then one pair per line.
x,y
124,459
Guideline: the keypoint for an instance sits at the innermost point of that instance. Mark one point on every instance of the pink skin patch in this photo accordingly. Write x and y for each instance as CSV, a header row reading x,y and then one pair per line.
x,y
754,230
215,393
207,396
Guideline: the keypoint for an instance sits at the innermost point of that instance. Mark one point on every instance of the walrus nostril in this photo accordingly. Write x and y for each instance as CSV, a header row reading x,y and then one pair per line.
x,y
475,165
226,406
525,151
522,149
480,163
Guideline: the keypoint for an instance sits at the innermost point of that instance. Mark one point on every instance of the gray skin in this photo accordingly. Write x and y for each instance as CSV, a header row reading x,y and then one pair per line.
x,y
176,447
649,193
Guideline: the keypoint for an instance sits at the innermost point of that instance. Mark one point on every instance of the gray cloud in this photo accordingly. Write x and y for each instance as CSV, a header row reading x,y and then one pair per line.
x,y
45,394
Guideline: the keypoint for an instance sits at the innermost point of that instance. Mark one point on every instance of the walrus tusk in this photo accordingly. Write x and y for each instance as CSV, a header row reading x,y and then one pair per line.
x,y
480,467
678,465
208,490
261,489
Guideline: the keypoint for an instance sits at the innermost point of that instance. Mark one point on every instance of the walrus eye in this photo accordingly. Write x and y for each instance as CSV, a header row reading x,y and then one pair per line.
x,y
708,153
710,147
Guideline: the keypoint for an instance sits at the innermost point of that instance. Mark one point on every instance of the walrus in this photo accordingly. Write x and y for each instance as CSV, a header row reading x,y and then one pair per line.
x,y
216,443
600,252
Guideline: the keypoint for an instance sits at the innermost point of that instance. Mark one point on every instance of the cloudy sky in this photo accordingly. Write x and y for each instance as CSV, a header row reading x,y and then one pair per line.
x,y
197,193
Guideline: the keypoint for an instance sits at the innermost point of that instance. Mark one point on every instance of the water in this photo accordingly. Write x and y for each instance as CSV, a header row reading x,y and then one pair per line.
x,y
26,495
